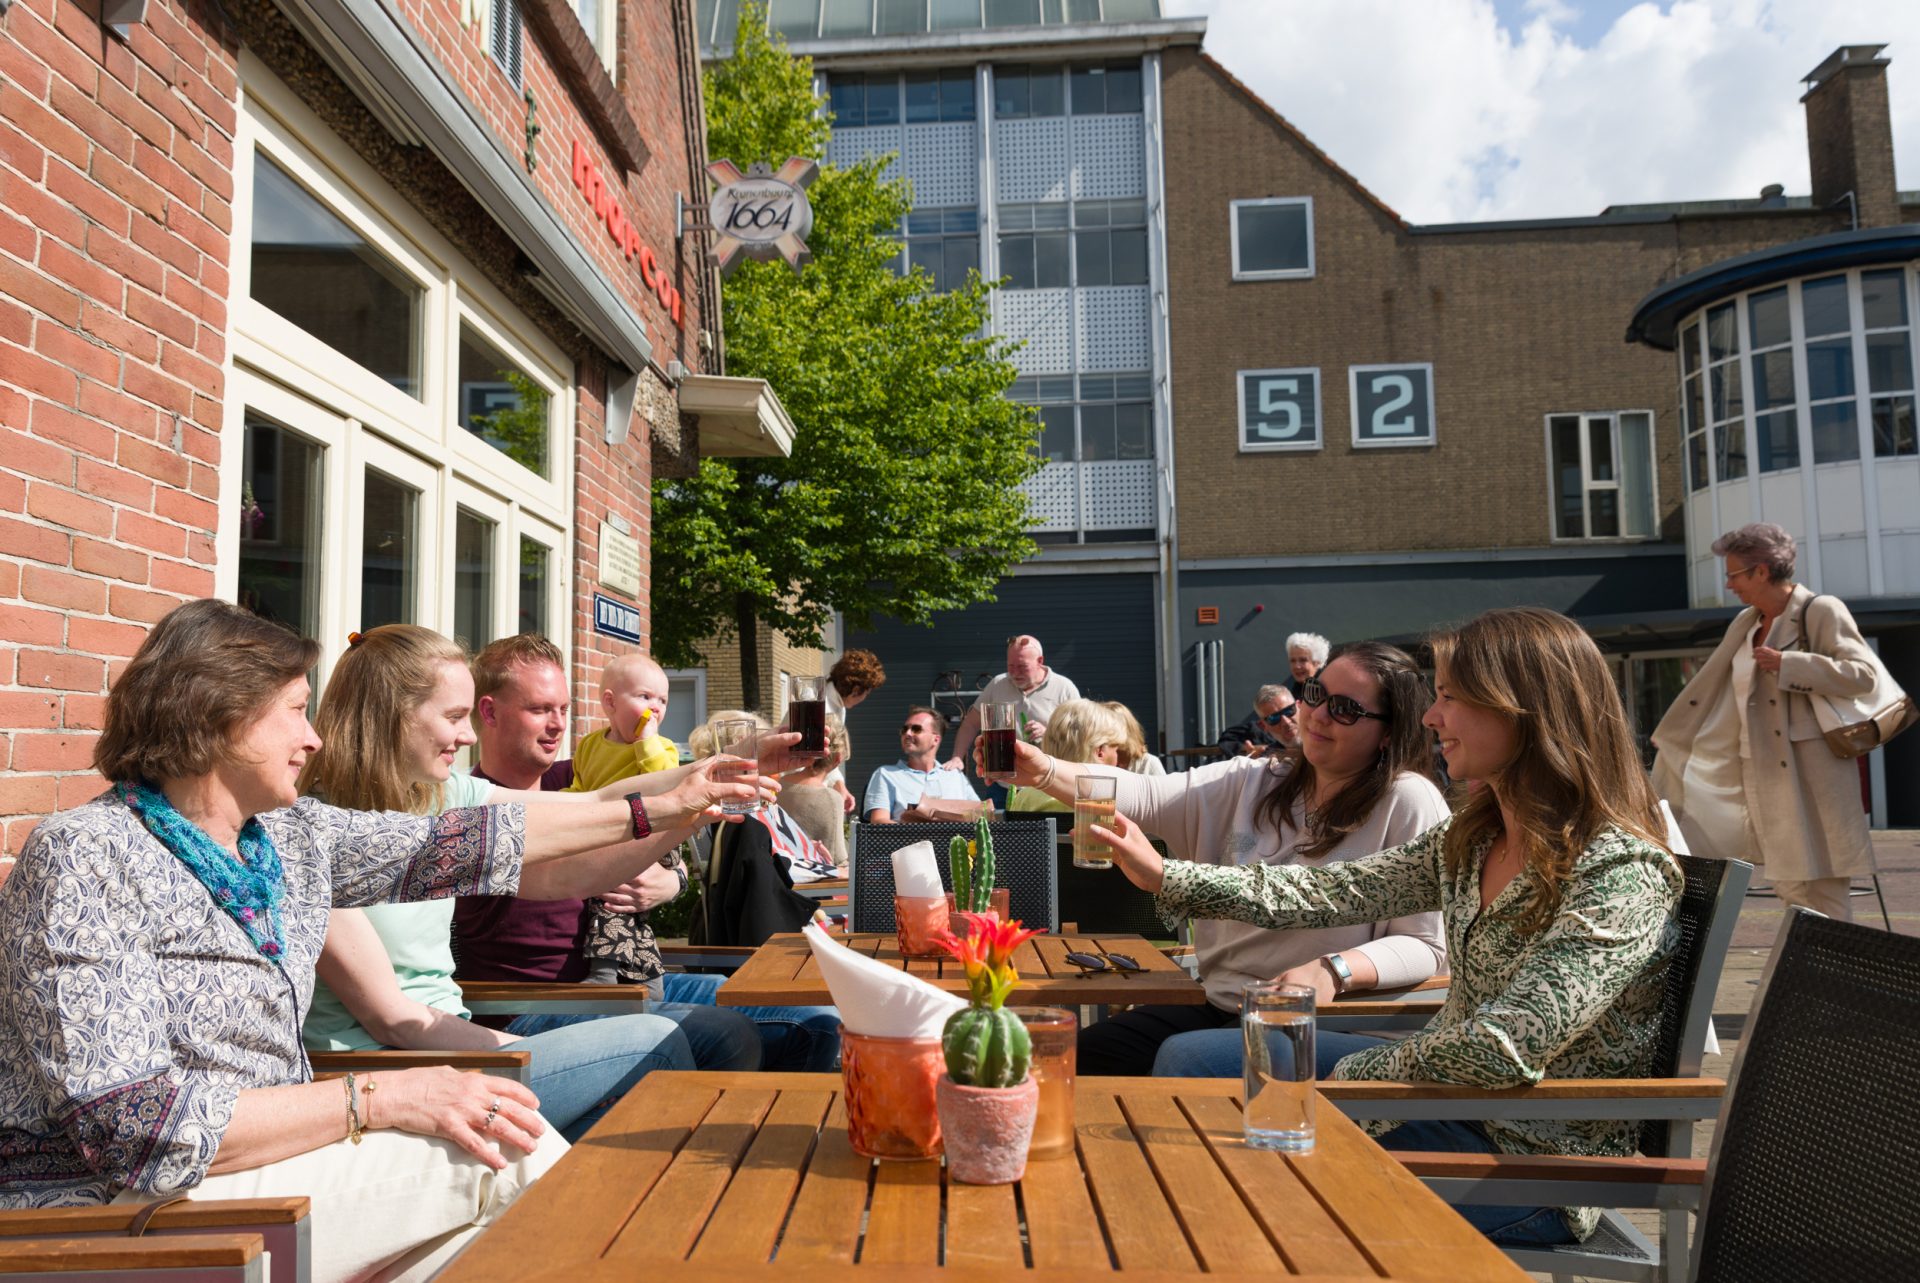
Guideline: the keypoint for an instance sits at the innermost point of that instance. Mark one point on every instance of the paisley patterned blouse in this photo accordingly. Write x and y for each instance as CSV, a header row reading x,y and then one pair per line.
x,y
1578,999
133,1010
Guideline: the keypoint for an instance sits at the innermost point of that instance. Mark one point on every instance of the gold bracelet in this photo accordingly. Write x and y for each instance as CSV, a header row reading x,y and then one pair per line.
x,y
353,1113
366,1089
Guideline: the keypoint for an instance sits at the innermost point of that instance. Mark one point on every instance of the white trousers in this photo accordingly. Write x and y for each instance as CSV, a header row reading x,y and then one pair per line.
x,y
394,1208
1822,895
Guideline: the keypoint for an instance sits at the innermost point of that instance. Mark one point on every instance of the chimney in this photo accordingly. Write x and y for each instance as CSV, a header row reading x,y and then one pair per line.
x,y
1850,136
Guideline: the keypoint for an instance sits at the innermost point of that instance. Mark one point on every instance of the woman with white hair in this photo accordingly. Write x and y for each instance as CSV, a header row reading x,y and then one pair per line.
x,y
1306,656
1741,756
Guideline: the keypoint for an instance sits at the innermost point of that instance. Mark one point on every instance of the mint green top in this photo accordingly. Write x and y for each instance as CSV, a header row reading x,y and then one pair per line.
x,y
418,937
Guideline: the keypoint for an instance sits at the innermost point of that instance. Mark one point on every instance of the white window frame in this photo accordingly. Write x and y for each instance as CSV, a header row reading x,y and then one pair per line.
x,y
475,456
1269,447
1353,406
369,452
1586,468
559,568
605,41
1279,274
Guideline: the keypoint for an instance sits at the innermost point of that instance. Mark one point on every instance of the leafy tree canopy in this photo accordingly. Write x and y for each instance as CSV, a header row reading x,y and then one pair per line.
x,y
902,493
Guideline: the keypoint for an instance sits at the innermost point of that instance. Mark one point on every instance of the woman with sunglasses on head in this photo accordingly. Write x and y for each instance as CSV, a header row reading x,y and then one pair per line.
x,y
1557,892
1359,782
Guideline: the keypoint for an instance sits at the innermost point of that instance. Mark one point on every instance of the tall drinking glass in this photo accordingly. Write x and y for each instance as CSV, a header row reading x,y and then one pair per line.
x,y
1054,1033
739,738
807,713
1277,1022
998,731
1093,803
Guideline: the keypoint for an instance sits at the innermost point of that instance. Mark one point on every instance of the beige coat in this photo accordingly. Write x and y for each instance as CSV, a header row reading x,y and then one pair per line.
x,y
1802,801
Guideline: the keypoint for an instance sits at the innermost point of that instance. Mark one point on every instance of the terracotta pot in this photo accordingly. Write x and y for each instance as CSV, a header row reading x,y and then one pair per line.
x,y
986,1130
997,904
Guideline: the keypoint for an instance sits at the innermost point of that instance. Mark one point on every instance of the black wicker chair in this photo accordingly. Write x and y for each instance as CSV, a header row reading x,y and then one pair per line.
x,y
1023,855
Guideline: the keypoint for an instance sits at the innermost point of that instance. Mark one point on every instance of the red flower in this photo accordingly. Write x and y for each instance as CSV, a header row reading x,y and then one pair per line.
x,y
988,951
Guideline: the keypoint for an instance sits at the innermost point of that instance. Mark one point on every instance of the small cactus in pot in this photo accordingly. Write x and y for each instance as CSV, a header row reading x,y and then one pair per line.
x,y
973,872
987,1099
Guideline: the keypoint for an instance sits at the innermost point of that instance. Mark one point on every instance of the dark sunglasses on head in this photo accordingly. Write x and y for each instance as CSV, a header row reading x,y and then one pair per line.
x,y
1274,719
1343,709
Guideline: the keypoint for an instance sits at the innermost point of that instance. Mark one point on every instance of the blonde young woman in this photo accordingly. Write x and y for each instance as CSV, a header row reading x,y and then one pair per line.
x,y
395,717
1133,754
1556,888
1080,730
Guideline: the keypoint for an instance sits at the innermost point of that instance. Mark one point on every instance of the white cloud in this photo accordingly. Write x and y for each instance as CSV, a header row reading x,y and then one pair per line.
x,y
1448,115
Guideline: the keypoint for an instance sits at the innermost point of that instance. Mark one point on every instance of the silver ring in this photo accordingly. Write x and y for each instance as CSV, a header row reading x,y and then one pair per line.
x,y
493,1111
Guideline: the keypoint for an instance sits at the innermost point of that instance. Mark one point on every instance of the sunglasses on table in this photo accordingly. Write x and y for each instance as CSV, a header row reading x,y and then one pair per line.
x,y
1093,964
1343,709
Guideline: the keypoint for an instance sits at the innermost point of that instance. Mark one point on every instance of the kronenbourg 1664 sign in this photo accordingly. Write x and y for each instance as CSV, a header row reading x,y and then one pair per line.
x,y
762,213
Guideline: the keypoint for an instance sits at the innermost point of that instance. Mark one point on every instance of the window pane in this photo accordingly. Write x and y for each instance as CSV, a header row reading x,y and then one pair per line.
x,y
1048,86
1824,304
847,97
795,19
1012,96
589,13
1016,261
1097,434
883,99
1883,298
1089,91
1131,10
1013,13
389,551
1893,432
1836,437
280,526
949,14
900,17
1056,433
313,269
1605,506
472,580
1697,461
1773,379
1690,348
500,404
1889,362
1636,475
1721,332
1129,257
1724,380
1696,411
847,18
957,95
962,255
1123,89
1133,431
1829,369
1091,259
1273,238
1050,261
1600,449
1768,322
1730,451
923,97
534,557
1778,440
1569,490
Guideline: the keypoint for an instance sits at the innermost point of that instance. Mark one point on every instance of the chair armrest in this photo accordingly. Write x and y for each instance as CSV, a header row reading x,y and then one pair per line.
x,y
1371,1004
512,997
504,1063
719,956
230,1254
1686,1099
209,1214
1568,1181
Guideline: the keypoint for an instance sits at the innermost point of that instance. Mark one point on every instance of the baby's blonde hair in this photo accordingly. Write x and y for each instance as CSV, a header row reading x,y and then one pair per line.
x,y
700,742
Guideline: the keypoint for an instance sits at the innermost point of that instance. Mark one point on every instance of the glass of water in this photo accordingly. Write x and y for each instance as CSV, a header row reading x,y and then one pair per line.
x,y
1276,1021
739,738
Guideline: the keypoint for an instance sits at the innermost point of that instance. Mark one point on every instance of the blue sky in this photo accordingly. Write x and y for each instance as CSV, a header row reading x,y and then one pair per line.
x,y
1454,110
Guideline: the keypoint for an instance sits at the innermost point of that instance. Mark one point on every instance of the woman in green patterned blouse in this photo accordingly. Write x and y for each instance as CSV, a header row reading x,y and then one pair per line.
x,y
1556,891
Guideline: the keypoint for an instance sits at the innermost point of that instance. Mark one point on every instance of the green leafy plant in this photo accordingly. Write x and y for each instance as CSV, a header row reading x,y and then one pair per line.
x,y
985,1044
973,873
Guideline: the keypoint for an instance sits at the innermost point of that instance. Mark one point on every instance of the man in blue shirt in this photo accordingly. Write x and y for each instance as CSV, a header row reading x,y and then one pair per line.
x,y
895,791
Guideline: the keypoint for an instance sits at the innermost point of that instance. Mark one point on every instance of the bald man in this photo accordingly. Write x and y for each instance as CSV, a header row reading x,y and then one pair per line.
x,y
1029,685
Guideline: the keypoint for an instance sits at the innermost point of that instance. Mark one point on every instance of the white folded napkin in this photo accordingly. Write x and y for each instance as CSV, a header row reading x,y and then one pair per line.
x,y
915,874
878,1000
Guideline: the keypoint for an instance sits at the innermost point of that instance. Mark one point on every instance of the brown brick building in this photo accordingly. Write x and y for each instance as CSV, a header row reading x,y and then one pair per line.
x,y
352,310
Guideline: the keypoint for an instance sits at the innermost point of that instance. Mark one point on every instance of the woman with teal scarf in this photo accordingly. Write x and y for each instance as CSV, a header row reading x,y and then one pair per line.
x,y
157,951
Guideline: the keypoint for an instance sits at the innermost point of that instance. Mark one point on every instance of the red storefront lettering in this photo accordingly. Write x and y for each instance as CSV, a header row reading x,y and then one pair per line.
x,y
605,201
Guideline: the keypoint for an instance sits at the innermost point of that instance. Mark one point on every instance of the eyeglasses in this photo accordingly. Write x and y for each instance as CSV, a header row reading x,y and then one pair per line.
x,y
1093,964
1735,574
1343,709
1274,719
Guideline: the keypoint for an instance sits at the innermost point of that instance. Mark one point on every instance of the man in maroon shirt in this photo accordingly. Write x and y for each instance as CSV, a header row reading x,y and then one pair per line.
x,y
520,713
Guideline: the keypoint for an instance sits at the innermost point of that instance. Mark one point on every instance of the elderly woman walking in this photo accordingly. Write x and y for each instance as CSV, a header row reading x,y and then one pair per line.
x,y
1741,756
157,951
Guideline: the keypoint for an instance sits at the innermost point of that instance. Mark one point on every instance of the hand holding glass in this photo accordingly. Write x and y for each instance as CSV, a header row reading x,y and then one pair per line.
x,y
1093,803
739,738
807,714
997,735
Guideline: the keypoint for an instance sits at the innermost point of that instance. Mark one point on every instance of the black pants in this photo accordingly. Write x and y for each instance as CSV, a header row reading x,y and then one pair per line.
x,y
1123,1045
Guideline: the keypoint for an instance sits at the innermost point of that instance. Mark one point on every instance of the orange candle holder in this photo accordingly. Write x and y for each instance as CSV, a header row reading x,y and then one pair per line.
x,y
890,1089
1054,1032
918,922
998,904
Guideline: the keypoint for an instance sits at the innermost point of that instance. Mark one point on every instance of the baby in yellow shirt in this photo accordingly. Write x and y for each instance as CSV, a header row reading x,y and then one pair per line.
x,y
633,691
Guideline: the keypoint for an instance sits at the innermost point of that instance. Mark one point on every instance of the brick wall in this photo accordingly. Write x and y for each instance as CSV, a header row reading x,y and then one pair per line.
x,y
1517,323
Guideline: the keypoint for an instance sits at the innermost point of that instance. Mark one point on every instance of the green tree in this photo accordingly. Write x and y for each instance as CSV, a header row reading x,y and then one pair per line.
x,y
902,493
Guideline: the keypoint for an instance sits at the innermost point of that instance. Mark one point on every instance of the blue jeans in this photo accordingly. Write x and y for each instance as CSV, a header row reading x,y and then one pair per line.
x,y
583,1064
1216,1053
805,1039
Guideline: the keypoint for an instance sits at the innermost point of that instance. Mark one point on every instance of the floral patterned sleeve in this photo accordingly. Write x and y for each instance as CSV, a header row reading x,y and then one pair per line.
x,y
1562,986
381,857
1394,883
81,993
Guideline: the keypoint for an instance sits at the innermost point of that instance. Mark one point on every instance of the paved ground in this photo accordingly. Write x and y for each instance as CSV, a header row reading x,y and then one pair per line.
x,y
1898,854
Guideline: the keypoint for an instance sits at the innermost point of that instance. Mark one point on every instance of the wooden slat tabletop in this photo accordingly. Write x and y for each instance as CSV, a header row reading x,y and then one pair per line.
x,y
782,973
749,1178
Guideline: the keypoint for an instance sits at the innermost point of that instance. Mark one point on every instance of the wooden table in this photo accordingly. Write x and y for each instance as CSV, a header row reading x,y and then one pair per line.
x,y
749,1178
782,973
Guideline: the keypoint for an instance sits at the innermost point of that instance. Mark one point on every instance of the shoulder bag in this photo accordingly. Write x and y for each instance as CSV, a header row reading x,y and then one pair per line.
x,y
1855,727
